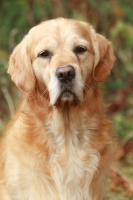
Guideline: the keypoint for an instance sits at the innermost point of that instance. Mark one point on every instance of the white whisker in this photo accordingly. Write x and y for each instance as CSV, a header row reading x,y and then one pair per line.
x,y
88,86
46,90
87,90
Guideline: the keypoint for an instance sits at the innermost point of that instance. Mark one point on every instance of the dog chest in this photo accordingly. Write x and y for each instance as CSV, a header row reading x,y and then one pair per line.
x,y
69,177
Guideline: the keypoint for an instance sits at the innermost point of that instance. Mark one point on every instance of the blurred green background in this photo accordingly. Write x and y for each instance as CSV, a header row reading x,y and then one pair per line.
x,y
113,19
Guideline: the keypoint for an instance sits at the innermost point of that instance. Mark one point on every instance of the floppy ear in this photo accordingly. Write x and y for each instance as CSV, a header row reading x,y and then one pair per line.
x,y
104,57
20,68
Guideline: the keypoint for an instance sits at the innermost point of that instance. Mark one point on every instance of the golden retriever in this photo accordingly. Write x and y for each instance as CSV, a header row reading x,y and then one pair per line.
x,y
59,145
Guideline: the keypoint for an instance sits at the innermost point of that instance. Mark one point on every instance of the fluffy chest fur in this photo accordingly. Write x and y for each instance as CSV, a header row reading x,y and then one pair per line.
x,y
74,162
55,162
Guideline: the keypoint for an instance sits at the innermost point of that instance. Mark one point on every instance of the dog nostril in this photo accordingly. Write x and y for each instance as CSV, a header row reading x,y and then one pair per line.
x,y
66,73
60,75
70,75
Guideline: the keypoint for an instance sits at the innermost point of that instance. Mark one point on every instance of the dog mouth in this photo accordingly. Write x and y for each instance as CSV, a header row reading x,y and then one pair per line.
x,y
67,96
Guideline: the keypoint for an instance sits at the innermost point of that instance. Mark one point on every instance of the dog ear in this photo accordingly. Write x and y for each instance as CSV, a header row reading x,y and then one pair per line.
x,y
104,57
20,68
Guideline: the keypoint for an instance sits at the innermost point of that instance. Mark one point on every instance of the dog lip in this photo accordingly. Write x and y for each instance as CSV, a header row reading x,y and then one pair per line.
x,y
71,98
66,91
67,95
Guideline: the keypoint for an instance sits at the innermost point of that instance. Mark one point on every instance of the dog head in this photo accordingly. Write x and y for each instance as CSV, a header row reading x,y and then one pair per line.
x,y
60,57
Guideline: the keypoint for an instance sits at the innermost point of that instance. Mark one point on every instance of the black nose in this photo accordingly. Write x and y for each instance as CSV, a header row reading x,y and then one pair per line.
x,y
65,73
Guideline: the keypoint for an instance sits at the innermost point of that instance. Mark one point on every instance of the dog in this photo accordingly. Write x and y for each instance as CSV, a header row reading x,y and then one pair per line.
x,y
60,143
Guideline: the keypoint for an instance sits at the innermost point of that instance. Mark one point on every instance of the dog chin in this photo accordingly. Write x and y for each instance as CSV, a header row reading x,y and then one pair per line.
x,y
67,97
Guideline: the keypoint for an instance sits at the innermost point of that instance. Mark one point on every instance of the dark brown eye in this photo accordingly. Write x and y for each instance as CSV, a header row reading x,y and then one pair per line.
x,y
45,54
80,50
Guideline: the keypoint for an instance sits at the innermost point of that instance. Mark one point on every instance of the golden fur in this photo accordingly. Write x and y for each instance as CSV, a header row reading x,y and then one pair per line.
x,y
58,146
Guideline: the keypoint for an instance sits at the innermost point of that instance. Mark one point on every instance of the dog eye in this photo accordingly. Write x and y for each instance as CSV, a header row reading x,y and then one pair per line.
x,y
45,54
80,50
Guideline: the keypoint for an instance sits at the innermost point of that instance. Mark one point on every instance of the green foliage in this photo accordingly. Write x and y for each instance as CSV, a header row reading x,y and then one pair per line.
x,y
122,124
12,16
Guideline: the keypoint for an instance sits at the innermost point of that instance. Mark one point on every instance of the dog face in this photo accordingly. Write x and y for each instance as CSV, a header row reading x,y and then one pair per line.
x,y
61,56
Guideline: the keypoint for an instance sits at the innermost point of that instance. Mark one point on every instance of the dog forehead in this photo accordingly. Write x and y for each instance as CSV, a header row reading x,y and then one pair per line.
x,y
60,30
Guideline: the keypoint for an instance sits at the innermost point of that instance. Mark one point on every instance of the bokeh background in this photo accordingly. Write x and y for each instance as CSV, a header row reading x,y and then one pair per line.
x,y
113,19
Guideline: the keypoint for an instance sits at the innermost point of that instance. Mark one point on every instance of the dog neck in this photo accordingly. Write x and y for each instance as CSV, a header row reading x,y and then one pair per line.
x,y
93,107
